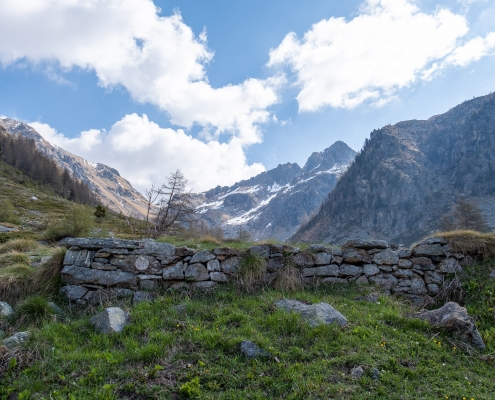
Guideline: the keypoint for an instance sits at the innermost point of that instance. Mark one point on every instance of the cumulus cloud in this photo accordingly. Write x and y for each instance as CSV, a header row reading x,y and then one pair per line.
x,y
390,45
127,43
151,155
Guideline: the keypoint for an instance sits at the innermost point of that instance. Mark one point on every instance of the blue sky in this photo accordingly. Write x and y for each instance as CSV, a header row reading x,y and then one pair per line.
x,y
224,90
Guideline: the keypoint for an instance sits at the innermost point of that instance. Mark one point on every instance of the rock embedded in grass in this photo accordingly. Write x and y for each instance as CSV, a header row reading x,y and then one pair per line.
x,y
372,297
141,296
6,311
313,314
110,320
357,372
55,308
454,318
252,350
16,339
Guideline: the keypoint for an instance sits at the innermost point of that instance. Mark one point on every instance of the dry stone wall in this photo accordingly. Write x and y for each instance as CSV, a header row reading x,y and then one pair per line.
x,y
96,269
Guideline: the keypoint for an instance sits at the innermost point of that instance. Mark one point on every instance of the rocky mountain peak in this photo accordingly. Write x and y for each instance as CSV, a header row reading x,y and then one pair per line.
x,y
337,154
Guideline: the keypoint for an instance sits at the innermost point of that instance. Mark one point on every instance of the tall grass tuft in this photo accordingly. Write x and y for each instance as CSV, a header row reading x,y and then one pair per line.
x,y
17,281
252,271
208,239
470,242
34,310
288,279
21,245
47,275
13,258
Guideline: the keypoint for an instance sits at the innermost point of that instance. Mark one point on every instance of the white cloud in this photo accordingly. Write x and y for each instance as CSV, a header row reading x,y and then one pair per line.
x,y
126,43
390,45
150,156
471,51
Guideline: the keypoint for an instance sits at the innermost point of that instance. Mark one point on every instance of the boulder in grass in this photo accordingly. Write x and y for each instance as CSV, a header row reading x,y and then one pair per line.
x,y
357,372
454,318
6,310
251,350
110,320
314,314
16,339
140,297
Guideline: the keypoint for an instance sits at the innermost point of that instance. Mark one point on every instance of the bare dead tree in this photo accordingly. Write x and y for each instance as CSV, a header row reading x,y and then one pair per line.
x,y
152,195
173,203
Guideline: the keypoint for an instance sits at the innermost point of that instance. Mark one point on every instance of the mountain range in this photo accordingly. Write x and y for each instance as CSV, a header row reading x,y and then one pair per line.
x,y
398,187
274,203
408,175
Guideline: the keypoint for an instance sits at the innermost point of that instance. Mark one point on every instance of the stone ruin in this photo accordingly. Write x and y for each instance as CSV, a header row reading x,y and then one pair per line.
x,y
97,269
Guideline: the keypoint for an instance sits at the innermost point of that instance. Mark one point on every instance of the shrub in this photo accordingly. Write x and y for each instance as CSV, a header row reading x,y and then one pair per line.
x,y
100,211
7,212
34,310
191,389
21,245
252,271
77,224
13,258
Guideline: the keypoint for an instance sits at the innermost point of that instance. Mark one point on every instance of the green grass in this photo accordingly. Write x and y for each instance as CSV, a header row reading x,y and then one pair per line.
x,y
165,353
207,243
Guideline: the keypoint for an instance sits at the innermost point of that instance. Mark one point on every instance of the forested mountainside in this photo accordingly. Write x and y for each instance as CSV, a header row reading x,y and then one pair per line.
x,y
22,153
114,191
410,174
274,203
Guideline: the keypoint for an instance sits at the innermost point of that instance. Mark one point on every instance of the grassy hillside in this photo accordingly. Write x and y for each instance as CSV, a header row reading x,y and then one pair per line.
x,y
33,217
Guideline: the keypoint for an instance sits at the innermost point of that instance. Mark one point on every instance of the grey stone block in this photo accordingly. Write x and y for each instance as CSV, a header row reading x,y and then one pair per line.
x,y
79,276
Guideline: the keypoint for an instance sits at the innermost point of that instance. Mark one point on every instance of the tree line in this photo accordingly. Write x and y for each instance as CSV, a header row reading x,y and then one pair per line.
x,y
23,154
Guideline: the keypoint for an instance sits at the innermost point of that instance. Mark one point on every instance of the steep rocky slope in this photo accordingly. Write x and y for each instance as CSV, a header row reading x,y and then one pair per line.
x,y
115,192
273,203
409,174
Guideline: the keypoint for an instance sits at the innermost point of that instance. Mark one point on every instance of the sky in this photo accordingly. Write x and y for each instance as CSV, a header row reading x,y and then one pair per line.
x,y
224,90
